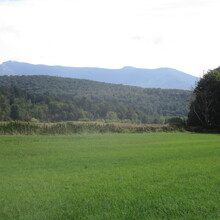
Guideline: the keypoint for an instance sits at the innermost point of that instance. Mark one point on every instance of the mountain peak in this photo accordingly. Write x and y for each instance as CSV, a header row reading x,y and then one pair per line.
x,y
9,61
128,67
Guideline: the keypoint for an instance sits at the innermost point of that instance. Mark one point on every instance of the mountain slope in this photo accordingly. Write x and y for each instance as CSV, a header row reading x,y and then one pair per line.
x,y
57,98
165,78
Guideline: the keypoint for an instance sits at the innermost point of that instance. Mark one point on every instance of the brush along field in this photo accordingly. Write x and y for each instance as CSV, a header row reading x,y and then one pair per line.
x,y
110,176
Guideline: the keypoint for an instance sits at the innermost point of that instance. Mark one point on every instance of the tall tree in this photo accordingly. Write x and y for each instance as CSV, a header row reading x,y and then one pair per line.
x,y
15,115
205,109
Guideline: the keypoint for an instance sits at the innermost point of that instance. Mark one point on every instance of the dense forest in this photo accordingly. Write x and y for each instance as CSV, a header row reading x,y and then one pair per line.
x,y
52,99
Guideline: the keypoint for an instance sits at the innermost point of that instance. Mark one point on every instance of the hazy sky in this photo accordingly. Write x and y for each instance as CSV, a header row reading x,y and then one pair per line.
x,y
182,34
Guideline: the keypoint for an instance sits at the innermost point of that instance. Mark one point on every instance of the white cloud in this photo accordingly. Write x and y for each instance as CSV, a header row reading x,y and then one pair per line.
x,y
182,34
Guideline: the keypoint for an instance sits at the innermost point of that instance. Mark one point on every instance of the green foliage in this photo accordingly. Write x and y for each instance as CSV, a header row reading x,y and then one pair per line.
x,y
112,116
110,176
177,122
15,114
59,99
205,109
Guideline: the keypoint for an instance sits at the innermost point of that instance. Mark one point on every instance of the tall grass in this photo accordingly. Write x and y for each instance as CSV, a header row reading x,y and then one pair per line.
x,y
62,128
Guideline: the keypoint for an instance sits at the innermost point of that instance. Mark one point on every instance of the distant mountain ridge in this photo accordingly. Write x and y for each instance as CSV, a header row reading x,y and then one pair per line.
x,y
164,78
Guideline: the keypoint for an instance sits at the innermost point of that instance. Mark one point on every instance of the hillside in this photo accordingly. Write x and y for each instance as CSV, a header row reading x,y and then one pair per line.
x,y
165,78
50,98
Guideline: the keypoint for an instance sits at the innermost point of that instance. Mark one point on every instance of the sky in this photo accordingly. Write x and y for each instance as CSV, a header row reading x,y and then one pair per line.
x,y
180,34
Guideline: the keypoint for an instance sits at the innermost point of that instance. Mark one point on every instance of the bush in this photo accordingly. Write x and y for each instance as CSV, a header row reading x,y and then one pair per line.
x,y
177,122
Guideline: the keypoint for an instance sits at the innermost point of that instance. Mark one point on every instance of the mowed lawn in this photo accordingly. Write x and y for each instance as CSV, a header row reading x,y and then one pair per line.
x,y
110,176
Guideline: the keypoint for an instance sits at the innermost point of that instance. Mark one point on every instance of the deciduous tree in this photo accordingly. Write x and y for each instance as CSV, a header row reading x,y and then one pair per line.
x,y
205,108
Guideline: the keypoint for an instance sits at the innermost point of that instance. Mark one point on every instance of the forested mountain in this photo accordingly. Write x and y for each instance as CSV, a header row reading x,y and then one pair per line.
x,y
48,98
165,78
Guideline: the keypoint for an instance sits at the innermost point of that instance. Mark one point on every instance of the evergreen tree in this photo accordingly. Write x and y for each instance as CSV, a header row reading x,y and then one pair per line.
x,y
15,112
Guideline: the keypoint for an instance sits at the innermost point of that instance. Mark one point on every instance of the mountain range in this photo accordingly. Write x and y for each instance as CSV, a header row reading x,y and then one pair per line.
x,y
164,78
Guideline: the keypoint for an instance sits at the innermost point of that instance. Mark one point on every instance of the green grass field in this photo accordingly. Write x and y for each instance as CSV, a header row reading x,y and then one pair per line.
x,y
110,176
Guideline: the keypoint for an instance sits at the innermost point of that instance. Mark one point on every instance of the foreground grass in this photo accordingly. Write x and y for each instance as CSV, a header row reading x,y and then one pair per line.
x,y
110,176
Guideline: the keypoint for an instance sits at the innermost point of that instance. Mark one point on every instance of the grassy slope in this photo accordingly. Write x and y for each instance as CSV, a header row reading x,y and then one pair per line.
x,y
111,176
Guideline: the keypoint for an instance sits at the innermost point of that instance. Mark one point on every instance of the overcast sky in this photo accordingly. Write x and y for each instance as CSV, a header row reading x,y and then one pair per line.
x,y
181,34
